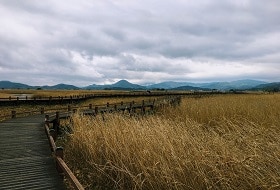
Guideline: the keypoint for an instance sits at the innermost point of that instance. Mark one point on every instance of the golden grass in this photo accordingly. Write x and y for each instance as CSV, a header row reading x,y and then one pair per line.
x,y
6,110
220,142
55,93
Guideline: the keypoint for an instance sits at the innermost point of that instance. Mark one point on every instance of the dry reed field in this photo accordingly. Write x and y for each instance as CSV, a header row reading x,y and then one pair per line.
x,y
31,93
218,142
55,93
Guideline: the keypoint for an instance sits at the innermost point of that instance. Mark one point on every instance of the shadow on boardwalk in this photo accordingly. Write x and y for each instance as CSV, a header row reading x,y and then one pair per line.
x,y
25,157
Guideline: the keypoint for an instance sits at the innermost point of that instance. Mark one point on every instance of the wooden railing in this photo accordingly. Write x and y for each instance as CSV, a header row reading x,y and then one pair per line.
x,y
61,166
77,98
52,133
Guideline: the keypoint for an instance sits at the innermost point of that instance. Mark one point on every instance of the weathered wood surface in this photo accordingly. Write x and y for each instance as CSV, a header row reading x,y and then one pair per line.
x,y
25,156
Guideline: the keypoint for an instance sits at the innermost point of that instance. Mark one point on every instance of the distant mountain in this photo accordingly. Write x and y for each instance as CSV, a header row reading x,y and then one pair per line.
x,y
120,85
61,87
190,88
125,84
94,87
169,85
275,86
13,85
239,84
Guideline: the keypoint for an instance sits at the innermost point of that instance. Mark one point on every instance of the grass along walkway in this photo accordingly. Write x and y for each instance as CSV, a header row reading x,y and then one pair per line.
x,y
220,142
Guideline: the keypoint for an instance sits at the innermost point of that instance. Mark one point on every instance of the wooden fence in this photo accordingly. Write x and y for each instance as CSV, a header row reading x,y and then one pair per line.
x,y
61,166
78,98
91,109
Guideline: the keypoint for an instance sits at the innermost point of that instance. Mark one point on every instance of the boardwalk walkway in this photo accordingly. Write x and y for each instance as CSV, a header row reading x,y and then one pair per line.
x,y
25,156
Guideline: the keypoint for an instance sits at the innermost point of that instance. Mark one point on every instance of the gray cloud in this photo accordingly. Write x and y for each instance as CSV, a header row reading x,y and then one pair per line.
x,y
85,42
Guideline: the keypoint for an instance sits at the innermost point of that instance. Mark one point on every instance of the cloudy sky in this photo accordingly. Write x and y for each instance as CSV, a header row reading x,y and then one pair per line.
x,y
84,42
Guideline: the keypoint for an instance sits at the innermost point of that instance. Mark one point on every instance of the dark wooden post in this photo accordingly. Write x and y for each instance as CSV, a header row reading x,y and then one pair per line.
x,y
143,107
59,153
115,107
10,98
57,115
26,97
90,106
14,114
133,109
96,110
42,110
47,120
17,98
153,106
56,123
107,105
69,108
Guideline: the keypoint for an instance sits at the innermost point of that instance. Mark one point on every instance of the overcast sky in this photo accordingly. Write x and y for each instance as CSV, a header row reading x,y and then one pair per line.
x,y
85,42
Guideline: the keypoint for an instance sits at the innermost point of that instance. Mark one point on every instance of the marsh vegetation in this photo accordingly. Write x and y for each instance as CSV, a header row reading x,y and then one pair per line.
x,y
219,142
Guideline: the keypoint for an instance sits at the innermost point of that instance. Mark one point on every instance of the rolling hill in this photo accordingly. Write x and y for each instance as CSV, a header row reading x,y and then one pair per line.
x,y
170,85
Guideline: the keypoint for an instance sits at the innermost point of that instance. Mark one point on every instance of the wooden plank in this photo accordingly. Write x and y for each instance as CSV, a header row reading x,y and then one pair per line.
x,y
25,157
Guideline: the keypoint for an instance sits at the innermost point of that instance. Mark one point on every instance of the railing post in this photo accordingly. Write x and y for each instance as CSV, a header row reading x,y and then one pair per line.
x,y
153,106
59,153
47,120
69,108
90,106
56,123
143,107
42,110
10,98
14,114
96,110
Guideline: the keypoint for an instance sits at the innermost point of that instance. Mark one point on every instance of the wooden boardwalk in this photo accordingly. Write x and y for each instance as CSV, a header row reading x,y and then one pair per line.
x,y
26,161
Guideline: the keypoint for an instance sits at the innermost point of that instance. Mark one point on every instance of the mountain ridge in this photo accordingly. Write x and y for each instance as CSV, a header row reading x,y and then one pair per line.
x,y
168,85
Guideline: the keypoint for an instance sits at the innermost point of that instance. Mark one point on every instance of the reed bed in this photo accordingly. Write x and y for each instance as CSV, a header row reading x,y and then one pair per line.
x,y
219,142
